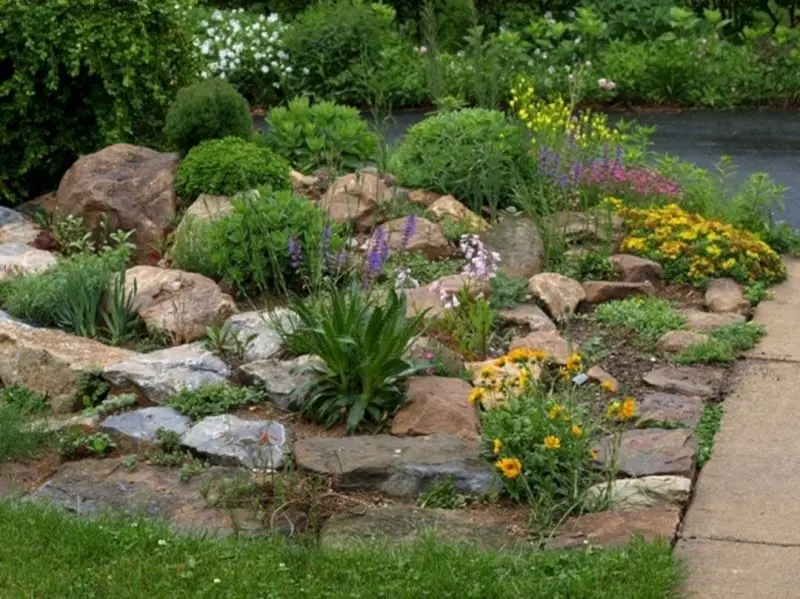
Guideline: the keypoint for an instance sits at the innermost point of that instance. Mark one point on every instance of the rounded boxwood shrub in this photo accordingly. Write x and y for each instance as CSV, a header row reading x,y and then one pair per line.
x,y
211,109
228,166
320,135
474,154
78,75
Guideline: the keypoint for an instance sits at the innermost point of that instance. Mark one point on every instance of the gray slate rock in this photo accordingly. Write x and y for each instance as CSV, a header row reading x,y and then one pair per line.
x,y
158,375
649,451
669,407
280,379
400,466
698,381
519,243
267,342
231,440
142,424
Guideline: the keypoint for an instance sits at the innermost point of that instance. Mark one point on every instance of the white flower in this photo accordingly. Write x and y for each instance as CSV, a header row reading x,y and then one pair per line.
x,y
273,18
288,70
217,581
162,542
422,50
551,69
264,69
306,71
205,48
545,55
217,16
211,32
577,40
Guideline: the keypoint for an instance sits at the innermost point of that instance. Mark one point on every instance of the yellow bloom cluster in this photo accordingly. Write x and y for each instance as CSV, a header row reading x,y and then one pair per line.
x,y
694,248
622,411
552,122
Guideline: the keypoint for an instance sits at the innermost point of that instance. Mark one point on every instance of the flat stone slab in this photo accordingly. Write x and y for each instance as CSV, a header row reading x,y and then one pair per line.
x,y
598,292
97,487
703,322
697,381
675,342
158,375
638,493
529,315
230,440
143,424
650,451
280,379
437,404
670,407
404,524
615,529
401,466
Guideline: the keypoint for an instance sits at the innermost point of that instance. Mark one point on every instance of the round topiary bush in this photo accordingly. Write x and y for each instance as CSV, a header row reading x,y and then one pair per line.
x,y
320,135
78,75
228,166
474,154
211,109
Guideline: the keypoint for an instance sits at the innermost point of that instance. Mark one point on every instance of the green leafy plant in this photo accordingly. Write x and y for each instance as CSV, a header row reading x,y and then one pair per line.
x,y
454,229
69,294
649,318
468,326
121,320
211,109
442,495
723,345
75,443
707,428
111,403
189,249
591,266
507,292
362,342
212,400
70,235
474,154
424,271
19,437
23,400
91,388
757,292
226,343
322,135
228,166
86,74
251,245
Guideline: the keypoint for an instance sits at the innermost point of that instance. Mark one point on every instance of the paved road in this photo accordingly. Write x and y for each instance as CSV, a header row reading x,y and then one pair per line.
x,y
740,536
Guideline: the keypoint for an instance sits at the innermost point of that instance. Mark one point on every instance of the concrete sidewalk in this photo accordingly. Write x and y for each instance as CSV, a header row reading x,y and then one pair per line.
x,y
741,534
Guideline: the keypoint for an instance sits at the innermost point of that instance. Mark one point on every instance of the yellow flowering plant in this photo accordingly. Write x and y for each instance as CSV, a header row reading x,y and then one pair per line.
x,y
692,248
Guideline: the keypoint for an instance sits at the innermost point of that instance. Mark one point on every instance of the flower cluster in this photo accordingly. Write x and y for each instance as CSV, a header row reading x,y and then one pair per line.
x,y
692,248
606,84
243,47
553,123
481,264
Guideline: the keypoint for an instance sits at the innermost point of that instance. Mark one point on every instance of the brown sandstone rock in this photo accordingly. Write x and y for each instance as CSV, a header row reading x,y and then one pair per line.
x,y
633,269
355,197
724,296
615,529
598,292
426,237
449,207
436,404
560,294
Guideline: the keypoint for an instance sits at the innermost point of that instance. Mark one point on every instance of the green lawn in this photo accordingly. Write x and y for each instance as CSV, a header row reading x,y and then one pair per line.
x,y
45,554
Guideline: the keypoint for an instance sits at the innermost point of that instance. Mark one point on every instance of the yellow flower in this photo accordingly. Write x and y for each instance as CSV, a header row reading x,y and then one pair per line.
x,y
729,264
593,454
510,467
554,412
634,244
628,409
713,250
497,445
488,372
612,413
500,362
574,363
477,395
576,430
608,386
552,442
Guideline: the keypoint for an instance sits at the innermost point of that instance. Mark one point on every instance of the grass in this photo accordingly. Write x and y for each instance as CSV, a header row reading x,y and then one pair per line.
x,y
57,556
707,428
648,317
723,345
17,439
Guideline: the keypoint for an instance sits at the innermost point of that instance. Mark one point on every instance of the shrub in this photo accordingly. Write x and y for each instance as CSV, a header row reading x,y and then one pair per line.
x,y
242,47
251,246
649,318
212,400
211,109
229,166
473,154
69,294
80,75
329,41
320,135
693,249
362,342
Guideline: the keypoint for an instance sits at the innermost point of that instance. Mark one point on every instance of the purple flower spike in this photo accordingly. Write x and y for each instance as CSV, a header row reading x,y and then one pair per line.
x,y
409,230
295,252
378,253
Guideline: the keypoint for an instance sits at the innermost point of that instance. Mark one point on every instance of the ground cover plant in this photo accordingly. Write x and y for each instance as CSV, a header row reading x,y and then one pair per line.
x,y
647,318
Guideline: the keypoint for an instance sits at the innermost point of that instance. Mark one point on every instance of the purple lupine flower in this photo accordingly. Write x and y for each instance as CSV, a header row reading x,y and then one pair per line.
x,y
378,253
295,252
409,230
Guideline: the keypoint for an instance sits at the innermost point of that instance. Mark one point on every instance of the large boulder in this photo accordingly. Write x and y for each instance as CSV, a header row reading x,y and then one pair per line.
x,y
205,209
18,259
561,295
519,243
436,404
128,186
49,361
260,331
181,304
355,197
417,234
160,374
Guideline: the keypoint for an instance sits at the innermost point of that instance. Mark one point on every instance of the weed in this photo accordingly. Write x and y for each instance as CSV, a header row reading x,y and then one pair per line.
x,y
591,266
707,428
649,318
442,495
23,400
75,443
224,342
723,345
121,320
18,439
90,388
507,292
211,400
757,292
